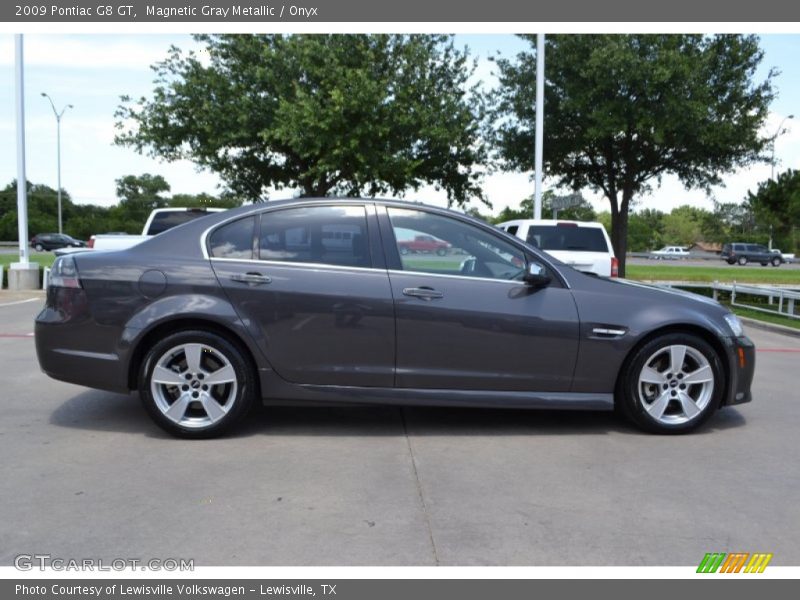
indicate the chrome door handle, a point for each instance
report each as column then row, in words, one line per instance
column 251, row 278
column 423, row 293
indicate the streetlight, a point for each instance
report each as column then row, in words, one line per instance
column 778, row 132
column 58, row 142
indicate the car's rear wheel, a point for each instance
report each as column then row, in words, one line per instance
column 38, row 247
column 403, row 250
column 196, row 384
column 742, row 260
column 731, row 261
column 672, row 384
column 776, row 262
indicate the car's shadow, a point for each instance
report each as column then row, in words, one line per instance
column 102, row 411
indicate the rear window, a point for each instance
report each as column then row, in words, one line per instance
column 560, row 237
column 167, row 220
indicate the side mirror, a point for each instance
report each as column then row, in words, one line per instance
column 536, row 275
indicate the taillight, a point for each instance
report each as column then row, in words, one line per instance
column 64, row 273
column 90, row 243
column 614, row 266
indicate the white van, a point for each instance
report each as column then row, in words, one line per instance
column 581, row 245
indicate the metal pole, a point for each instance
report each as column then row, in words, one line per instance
column 537, row 203
column 774, row 139
column 58, row 116
column 22, row 182
column 58, row 162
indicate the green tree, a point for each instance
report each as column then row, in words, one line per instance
column 683, row 225
column 139, row 195
column 776, row 204
column 645, row 230
column 344, row 114
column 621, row 111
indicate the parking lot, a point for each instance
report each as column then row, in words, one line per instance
column 87, row 474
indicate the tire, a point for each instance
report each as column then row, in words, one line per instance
column 764, row 264
column 441, row 251
column 38, row 247
column 742, row 260
column 731, row 261
column 642, row 397
column 172, row 388
column 776, row 262
column 403, row 250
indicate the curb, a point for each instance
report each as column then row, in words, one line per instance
column 773, row 327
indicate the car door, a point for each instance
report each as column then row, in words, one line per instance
column 465, row 320
column 310, row 283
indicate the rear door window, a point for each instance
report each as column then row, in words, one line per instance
column 331, row 235
column 566, row 237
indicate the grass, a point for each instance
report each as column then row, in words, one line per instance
column 45, row 259
column 722, row 274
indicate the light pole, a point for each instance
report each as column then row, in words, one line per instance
column 778, row 132
column 58, row 143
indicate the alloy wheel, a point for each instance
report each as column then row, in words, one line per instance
column 675, row 384
column 194, row 385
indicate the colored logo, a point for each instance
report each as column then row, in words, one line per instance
column 736, row 562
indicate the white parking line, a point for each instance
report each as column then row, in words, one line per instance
column 20, row 302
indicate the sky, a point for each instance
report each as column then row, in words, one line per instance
column 91, row 72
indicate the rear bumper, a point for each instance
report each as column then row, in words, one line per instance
column 64, row 353
column 742, row 366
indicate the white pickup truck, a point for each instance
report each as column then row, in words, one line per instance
column 159, row 221
column 787, row 258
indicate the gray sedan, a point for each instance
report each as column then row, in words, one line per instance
column 312, row 301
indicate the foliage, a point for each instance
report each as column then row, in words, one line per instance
column 776, row 204
column 624, row 110
column 138, row 195
column 343, row 114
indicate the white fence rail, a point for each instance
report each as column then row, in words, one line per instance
column 785, row 300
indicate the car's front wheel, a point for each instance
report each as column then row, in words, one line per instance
column 776, row 262
column 742, row 260
column 196, row 384
column 672, row 384
column 38, row 247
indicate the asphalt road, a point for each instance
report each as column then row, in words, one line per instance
column 86, row 474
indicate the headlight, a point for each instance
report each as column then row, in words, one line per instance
column 735, row 324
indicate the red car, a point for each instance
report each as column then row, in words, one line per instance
column 423, row 243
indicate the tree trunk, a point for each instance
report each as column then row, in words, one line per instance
column 619, row 229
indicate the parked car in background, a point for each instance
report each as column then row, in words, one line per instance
column 670, row 253
column 741, row 253
column 423, row 244
column 252, row 305
column 160, row 220
column 582, row 245
column 787, row 258
column 53, row 241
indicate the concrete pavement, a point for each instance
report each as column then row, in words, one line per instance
column 86, row 474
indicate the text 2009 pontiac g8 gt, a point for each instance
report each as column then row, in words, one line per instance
column 312, row 300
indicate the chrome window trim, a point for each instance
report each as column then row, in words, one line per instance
column 258, row 213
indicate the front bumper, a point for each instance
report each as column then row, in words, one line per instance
column 741, row 367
